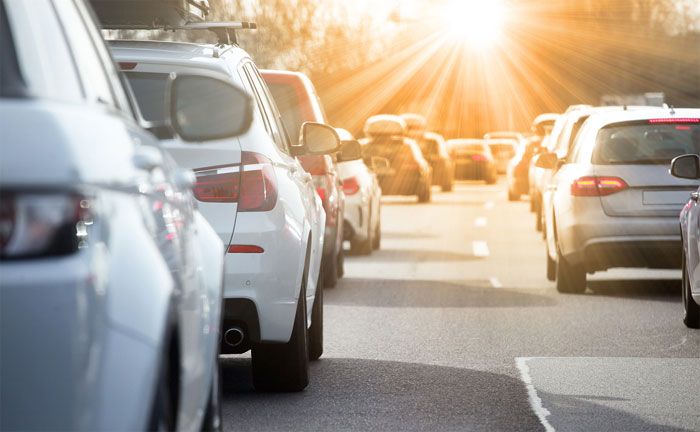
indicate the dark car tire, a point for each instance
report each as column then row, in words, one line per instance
column 363, row 247
column 538, row 219
column 512, row 196
column 284, row 367
column 691, row 315
column 164, row 412
column 212, row 417
column 377, row 240
column 425, row 193
column 316, row 329
column 340, row 267
column 330, row 272
column 551, row 268
column 571, row 278
column 491, row 180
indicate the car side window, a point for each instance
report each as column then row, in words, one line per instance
column 92, row 72
column 269, row 110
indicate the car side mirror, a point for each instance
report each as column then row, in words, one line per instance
column 350, row 151
column 381, row 166
column 204, row 108
column 548, row 161
column 686, row 167
column 319, row 139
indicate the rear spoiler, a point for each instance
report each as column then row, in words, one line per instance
column 225, row 30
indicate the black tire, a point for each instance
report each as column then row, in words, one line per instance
column 212, row 417
column 164, row 412
column 340, row 267
column 512, row 196
column 330, row 272
column 491, row 180
column 551, row 268
column 425, row 193
column 571, row 279
column 377, row 240
column 691, row 310
column 532, row 204
column 316, row 330
column 538, row 218
column 284, row 367
column 364, row 247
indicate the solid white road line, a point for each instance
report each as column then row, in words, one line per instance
column 495, row 283
column 535, row 402
column 481, row 222
column 481, row 249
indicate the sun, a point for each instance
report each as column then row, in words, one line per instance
column 477, row 23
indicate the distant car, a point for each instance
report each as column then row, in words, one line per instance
column 298, row 103
column 409, row 173
column 517, row 174
column 503, row 151
column 542, row 127
column 688, row 167
column 473, row 160
column 517, row 136
column 615, row 205
column 434, row 149
column 260, row 201
column 110, row 279
column 363, row 223
column 543, row 124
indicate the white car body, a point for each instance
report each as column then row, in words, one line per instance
column 362, row 208
column 85, row 334
column 261, row 290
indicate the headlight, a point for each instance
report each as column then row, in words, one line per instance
column 42, row 224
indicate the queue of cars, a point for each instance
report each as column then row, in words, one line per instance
column 610, row 185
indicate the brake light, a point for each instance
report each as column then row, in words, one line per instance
column 597, row 186
column 252, row 184
column 321, row 193
column 351, row 186
column 478, row 158
column 127, row 65
column 674, row 120
column 249, row 249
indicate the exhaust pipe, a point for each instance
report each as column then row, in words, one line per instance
column 234, row 336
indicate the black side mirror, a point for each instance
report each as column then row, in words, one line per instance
column 686, row 167
column 319, row 139
column 203, row 108
column 350, row 151
column 548, row 161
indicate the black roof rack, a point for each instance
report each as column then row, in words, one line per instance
column 225, row 30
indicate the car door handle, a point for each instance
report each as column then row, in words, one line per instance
column 695, row 196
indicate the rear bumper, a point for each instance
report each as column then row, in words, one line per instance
column 657, row 253
column 404, row 183
column 473, row 170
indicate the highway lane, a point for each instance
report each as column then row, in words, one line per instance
column 453, row 326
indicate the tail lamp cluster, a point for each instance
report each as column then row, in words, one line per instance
column 594, row 186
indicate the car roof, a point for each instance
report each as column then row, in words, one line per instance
column 466, row 141
column 502, row 141
column 602, row 118
column 434, row 136
column 206, row 56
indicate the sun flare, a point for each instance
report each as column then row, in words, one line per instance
column 478, row 23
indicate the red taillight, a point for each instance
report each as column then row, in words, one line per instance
column 478, row 158
column 321, row 193
column 597, row 186
column 127, row 65
column 249, row 249
column 252, row 184
column 674, row 120
column 351, row 186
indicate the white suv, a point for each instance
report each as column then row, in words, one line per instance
column 261, row 202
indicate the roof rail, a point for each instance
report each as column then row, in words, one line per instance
column 224, row 30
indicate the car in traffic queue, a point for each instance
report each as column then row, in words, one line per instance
column 517, row 173
column 614, row 203
column 258, row 198
column 542, row 127
column 473, row 160
column 363, row 207
column 434, row 149
column 298, row 103
column 687, row 167
column 386, row 137
column 111, row 280
column 503, row 150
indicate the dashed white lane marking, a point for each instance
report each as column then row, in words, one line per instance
column 535, row 402
column 495, row 283
column 481, row 222
column 481, row 249
column 489, row 205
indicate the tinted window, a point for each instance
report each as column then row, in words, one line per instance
column 149, row 89
column 290, row 107
column 645, row 143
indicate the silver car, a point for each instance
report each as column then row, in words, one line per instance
column 614, row 204
column 110, row 279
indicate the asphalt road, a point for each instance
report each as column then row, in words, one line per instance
column 453, row 326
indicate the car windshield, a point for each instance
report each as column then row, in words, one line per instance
column 290, row 108
column 646, row 142
column 149, row 89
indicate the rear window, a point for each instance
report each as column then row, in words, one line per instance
column 149, row 89
column 288, row 103
column 647, row 142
